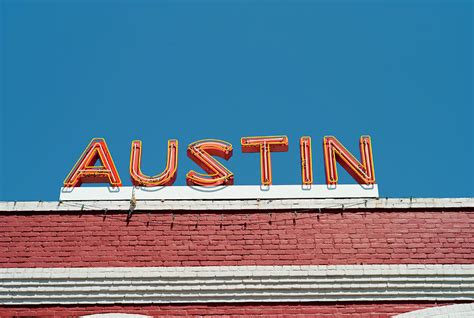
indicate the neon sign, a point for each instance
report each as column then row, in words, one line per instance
column 334, row 151
column 85, row 170
column 265, row 145
column 306, row 161
column 167, row 177
column 202, row 152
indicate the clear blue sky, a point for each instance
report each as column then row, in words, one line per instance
column 400, row 71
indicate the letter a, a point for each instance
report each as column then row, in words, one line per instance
column 85, row 171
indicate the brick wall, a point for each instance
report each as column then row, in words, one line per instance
column 206, row 239
column 95, row 239
column 356, row 310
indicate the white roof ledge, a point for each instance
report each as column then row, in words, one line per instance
column 240, row 204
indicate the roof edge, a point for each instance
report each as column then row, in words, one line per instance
column 233, row 205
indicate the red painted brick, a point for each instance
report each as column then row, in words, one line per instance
column 196, row 239
column 383, row 309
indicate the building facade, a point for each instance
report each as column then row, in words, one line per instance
column 239, row 257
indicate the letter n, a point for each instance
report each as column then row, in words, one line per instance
column 334, row 152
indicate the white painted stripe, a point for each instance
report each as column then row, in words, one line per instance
column 127, row 285
column 450, row 311
column 219, row 193
column 234, row 205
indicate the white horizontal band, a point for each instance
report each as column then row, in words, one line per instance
column 450, row 311
column 127, row 285
column 233, row 205
column 220, row 192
